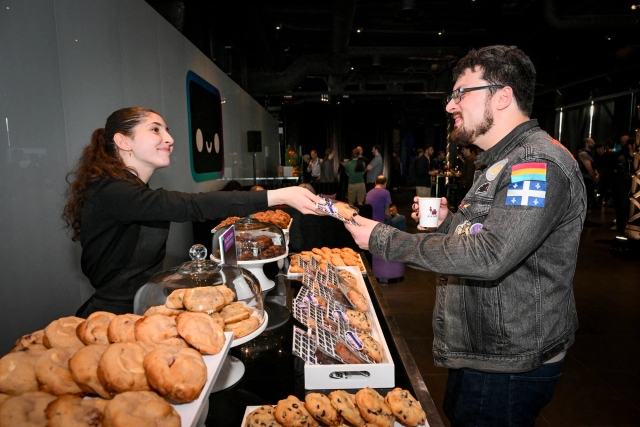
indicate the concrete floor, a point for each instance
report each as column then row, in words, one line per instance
column 600, row 383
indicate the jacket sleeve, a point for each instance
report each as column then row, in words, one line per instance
column 509, row 234
column 131, row 202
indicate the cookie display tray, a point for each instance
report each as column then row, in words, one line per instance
column 350, row 268
column 345, row 376
column 357, row 269
column 190, row 412
column 250, row 409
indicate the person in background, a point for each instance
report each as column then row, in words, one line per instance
column 355, row 171
column 374, row 168
column 505, row 311
column 313, row 166
column 442, row 162
column 624, row 171
column 424, row 171
column 343, row 178
column 396, row 171
column 306, row 175
column 363, row 159
column 380, row 200
column 587, row 168
column 468, row 169
column 605, row 168
column 621, row 144
column 122, row 224
column 327, row 173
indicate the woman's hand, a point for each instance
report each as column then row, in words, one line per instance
column 296, row 197
column 362, row 233
column 442, row 214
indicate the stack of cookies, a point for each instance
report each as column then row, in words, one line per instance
column 366, row 408
column 216, row 303
column 277, row 217
column 131, row 363
column 344, row 257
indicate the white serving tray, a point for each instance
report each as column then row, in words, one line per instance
column 190, row 412
column 250, row 409
column 343, row 376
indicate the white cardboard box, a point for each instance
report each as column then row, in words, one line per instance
column 380, row 375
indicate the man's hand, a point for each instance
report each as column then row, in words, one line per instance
column 362, row 233
column 442, row 215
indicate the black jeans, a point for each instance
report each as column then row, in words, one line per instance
column 480, row 399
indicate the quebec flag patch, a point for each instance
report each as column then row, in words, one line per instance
column 527, row 193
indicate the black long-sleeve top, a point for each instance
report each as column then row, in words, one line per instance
column 125, row 226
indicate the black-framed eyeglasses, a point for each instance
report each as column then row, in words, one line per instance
column 457, row 94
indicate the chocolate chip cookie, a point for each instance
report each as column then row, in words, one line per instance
column 405, row 407
column 319, row 406
column 290, row 412
column 373, row 409
column 345, row 404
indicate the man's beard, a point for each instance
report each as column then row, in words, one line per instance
column 465, row 137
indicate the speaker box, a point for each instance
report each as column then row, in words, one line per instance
column 254, row 141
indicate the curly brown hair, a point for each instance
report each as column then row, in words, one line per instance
column 100, row 159
column 503, row 65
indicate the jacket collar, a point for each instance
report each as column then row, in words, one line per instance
column 512, row 140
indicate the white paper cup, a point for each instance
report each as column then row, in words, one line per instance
column 429, row 208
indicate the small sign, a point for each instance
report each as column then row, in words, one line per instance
column 227, row 244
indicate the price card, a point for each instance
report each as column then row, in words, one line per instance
column 227, row 244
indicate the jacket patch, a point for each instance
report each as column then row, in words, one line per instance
column 475, row 228
column 463, row 229
column 527, row 193
column 529, row 172
column 495, row 170
column 483, row 188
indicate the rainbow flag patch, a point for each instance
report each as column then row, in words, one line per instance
column 529, row 172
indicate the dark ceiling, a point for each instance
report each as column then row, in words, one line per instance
column 282, row 50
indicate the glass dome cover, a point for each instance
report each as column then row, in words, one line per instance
column 200, row 272
column 255, row 240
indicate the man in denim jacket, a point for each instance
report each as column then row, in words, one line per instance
column 505, row 311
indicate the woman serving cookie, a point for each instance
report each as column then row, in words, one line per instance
column 123, row 225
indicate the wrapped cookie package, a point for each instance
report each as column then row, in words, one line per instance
column 340, row 210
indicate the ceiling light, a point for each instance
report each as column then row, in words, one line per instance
column 278, row 26
column 633, row 6
column 359, row 30
column 352, row 68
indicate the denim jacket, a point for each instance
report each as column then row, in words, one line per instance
column 506, row 259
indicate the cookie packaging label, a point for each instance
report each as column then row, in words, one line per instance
column 353, row 340
column 348, row 336
column 340, row 210
column 300, row 307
